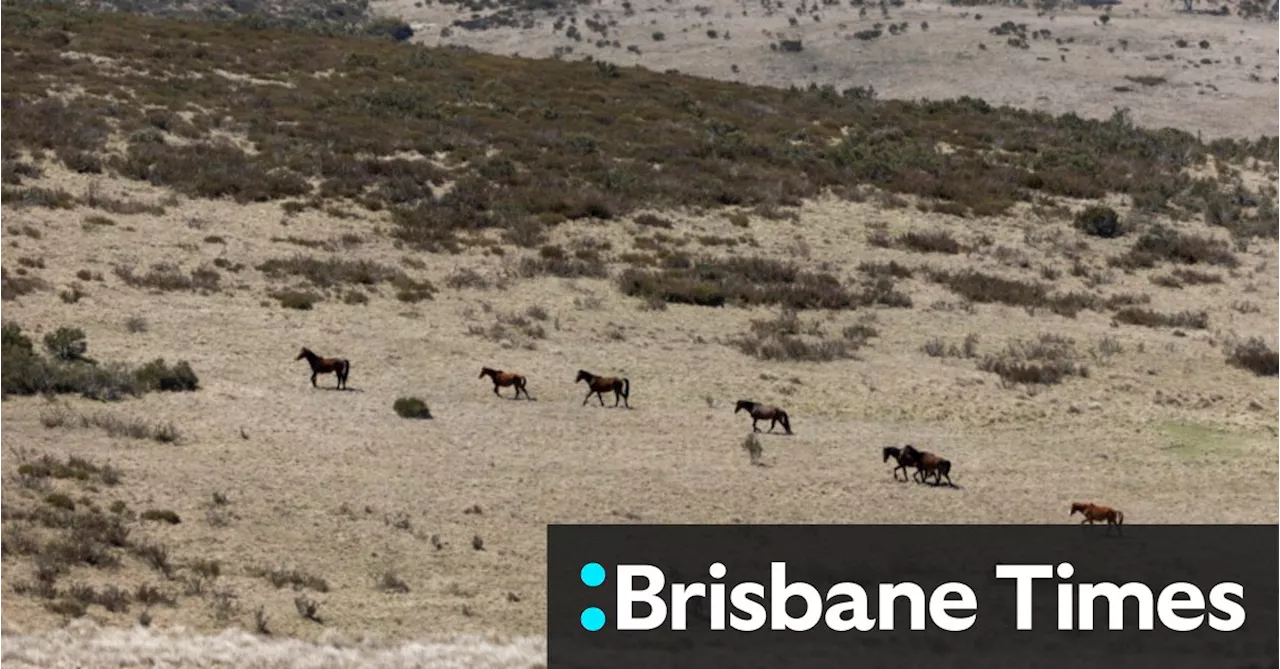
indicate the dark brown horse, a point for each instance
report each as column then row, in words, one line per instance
column 1094, row 513
column 761, row 412
column 503, row 379
column 903, row 459
column 337, row 366
column 598, row 385
column 927, row 463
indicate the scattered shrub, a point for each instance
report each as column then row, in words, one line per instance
column 161, row 516
column 1198, row 320
column 296, row 299
column 1099, row 221
column 68, row 370
column 935, row 241
column 411, row 407
column 741, row 281
column 787, row 337
column 1164, row 244
column 1254, row 355
column 1046, row 360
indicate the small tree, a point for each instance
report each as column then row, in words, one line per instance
column 67, row 344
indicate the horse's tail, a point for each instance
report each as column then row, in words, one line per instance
column 346, row 369
column 945, row 467
column 626, row 387
column 786, row 422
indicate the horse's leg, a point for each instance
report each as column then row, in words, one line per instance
column 587, row 398
column 754, row 427
column 495, row 390
column 600, row 396
column 313, row 380
column 773, row 422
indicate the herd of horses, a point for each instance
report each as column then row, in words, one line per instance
column 926, row 464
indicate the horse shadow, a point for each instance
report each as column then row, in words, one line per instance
column 341, row 390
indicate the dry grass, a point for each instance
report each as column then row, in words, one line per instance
column 569, row 234
column 502, row 172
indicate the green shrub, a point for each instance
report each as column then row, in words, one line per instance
column 1164, row 244
column 744, row 281
column 161, row 515
column 1198, row 320
column 1099, row 221
column 1256, row 356
column 411, row 407
column 156, row 375
column 67, row 344
column 294, row 299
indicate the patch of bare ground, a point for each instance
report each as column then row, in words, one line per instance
column 1187, row 70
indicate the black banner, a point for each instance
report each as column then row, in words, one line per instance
column 826, row 596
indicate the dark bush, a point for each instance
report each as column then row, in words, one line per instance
column 1164, row 244
column 67, row 344
column 1256, row 356
column 156, row 375
column 1198, row 320
column 739, row 281
column 411, row 407
column 1099, row 221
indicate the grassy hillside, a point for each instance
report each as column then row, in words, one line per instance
column 1067, row 309
column 453, row 143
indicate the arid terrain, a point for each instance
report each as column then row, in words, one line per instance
column 1192, row 72
column 1069, row 310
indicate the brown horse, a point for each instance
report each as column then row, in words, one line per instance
column 761, row 412
column 903, row 459
column 338, row 366
column 1095, row 512
column 503, row 379
column 597, row 385
column 927, row 463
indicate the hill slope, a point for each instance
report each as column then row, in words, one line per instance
column 1170, row 68
column 1067, row 309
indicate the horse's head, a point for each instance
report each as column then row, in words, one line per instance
column 484, row 372
column 303, row 353
column 1077, row 507
column 743, row 404
column 891, row 452
column 583, row 375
